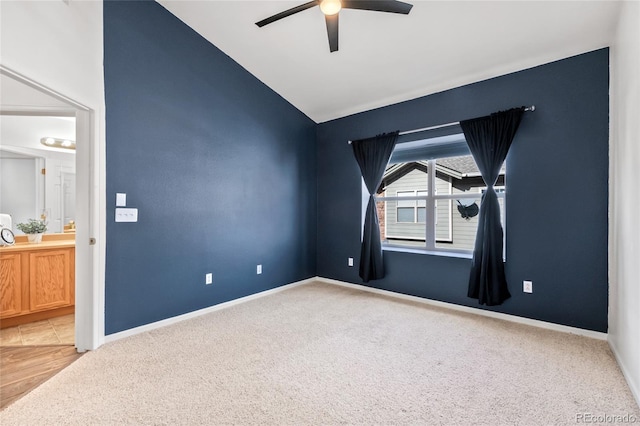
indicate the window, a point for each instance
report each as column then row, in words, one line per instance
column 410, row 211
column 430, row 196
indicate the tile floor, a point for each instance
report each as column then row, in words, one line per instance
column 54, row 331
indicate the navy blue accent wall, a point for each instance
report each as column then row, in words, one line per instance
column 557, row 194
column 221, row 168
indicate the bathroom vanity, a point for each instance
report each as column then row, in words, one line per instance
column 37, row 281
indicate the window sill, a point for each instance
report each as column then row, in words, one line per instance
column 428, row 252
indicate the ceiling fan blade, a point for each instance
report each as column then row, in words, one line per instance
column 392, row 6
column 286, row 13
column 332, row 31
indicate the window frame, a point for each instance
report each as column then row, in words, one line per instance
column 416, row 205
column 431, row 198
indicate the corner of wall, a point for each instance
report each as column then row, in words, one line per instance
column 624, row 230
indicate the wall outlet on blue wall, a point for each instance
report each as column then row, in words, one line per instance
column 259, row 269
column 208, row 279
column 527, row 286
column 350, row 261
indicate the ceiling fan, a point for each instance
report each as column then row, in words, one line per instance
column 330, row 8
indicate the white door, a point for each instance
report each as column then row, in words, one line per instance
column 68, row 201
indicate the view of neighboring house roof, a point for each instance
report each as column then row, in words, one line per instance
column 457, row 167
column 464, row 166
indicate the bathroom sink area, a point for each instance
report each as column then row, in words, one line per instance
column 37, row 280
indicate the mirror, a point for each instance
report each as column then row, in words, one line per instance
column 37, row 181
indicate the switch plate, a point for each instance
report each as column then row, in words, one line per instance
column 527, row 286
column 208, row 279
column 350, row 261
column 259, row 269
column 126, row 215
column 121, row 199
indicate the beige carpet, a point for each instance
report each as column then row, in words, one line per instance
column 321, row 354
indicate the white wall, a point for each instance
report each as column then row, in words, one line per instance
column 56, row 44
column 18, row 196
column 60, row 46
column 624, row 240
column 26, row 131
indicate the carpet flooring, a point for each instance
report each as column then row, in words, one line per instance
column 322, row 354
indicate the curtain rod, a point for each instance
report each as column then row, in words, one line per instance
column 440, row 126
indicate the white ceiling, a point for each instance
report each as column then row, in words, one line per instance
column 386, row 58
column 22, row 134
column 27, row 115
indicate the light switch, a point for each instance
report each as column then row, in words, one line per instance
column 121, row 199
column 126, row 215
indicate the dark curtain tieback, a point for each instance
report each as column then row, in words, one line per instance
column 489, row 139
column 372, row 155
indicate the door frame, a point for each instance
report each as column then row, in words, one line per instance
column 90, row 212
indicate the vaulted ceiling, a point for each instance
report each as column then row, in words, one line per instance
column 385, row 58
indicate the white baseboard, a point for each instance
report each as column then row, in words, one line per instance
column 467, row 309
column 163, row 323
column 633, row 385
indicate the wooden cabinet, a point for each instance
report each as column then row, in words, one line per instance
column 37, row 281
column 50, row 279
column 10, row 285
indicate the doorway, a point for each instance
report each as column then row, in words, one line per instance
column 38, row 182
column 24, row 97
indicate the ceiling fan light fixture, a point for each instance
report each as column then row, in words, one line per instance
column 330, row 7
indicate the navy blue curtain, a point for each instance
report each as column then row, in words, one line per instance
column 373, row 156
column 489, row 139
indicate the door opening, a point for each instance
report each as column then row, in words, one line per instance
column 78, row 197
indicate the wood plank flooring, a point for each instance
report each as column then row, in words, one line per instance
column 23, row 368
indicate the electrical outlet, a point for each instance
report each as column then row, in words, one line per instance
column 208, row 279
column 259, row 269
column 350, row 262
column 527, row 286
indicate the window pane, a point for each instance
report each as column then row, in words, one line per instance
column 382, row 218
column 443, row 184
column 497, row 189
column 407, row 203
column 405, row 214
column 405, row 178
column 398, row 233
column 463, row 223
column 422, row 214
column 443, row 220
column 422, row 203
column 408, row 237
column 462, row 173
